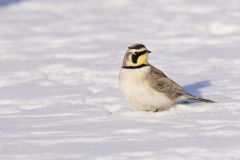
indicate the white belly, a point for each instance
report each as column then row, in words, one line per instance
column 139, row 93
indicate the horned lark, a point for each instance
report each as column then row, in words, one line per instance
column 146, row 87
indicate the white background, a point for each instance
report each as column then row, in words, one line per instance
column 59, row 66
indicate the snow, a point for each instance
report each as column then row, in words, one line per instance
column 60, row 60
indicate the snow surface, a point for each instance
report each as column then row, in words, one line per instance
column 59, row 66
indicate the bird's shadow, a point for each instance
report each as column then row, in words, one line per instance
column 4, row 3
column 194, row 89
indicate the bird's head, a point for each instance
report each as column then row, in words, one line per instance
column 136, row 55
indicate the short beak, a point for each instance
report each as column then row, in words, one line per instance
column 148, row 51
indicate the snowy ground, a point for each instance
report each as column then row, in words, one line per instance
column 59, row 65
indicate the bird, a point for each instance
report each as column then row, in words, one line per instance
column 146, row 87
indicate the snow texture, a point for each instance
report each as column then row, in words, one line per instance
column 60, row 60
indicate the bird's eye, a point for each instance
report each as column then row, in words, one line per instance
column 136, row 52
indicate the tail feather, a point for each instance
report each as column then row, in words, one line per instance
column 202, row 99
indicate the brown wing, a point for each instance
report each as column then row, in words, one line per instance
column 159, row 81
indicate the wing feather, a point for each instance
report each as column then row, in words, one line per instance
column 159, row 81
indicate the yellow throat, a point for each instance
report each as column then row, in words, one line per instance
column 143, row 59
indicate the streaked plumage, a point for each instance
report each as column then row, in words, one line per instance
column 146, row 87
